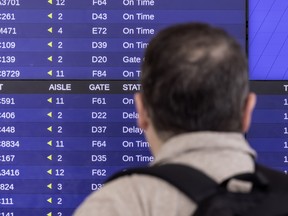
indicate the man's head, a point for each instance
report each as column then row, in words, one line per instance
column 194, row 78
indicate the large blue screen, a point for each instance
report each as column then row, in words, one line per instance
column 68, row 71
column 268, row 39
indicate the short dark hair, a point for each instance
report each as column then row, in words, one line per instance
column 194, row 78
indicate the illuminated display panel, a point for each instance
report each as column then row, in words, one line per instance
column 68, row 71
column 268, row 54
column 268, row 39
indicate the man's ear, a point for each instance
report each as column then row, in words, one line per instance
column 248, row 110
column 143, row 119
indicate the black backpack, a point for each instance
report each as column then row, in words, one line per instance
column 268, row 197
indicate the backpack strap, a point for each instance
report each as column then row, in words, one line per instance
column 197, row 186
column 276, row 196
column 192, row 182
column 277, row 181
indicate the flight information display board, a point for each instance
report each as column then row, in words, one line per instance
column 268, row 54
column 68, row 71
column 268, row 39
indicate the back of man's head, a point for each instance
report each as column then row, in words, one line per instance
column 194, row 78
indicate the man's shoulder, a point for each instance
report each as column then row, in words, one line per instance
column 139, row 183
column 134, row 195
column 112, row 199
